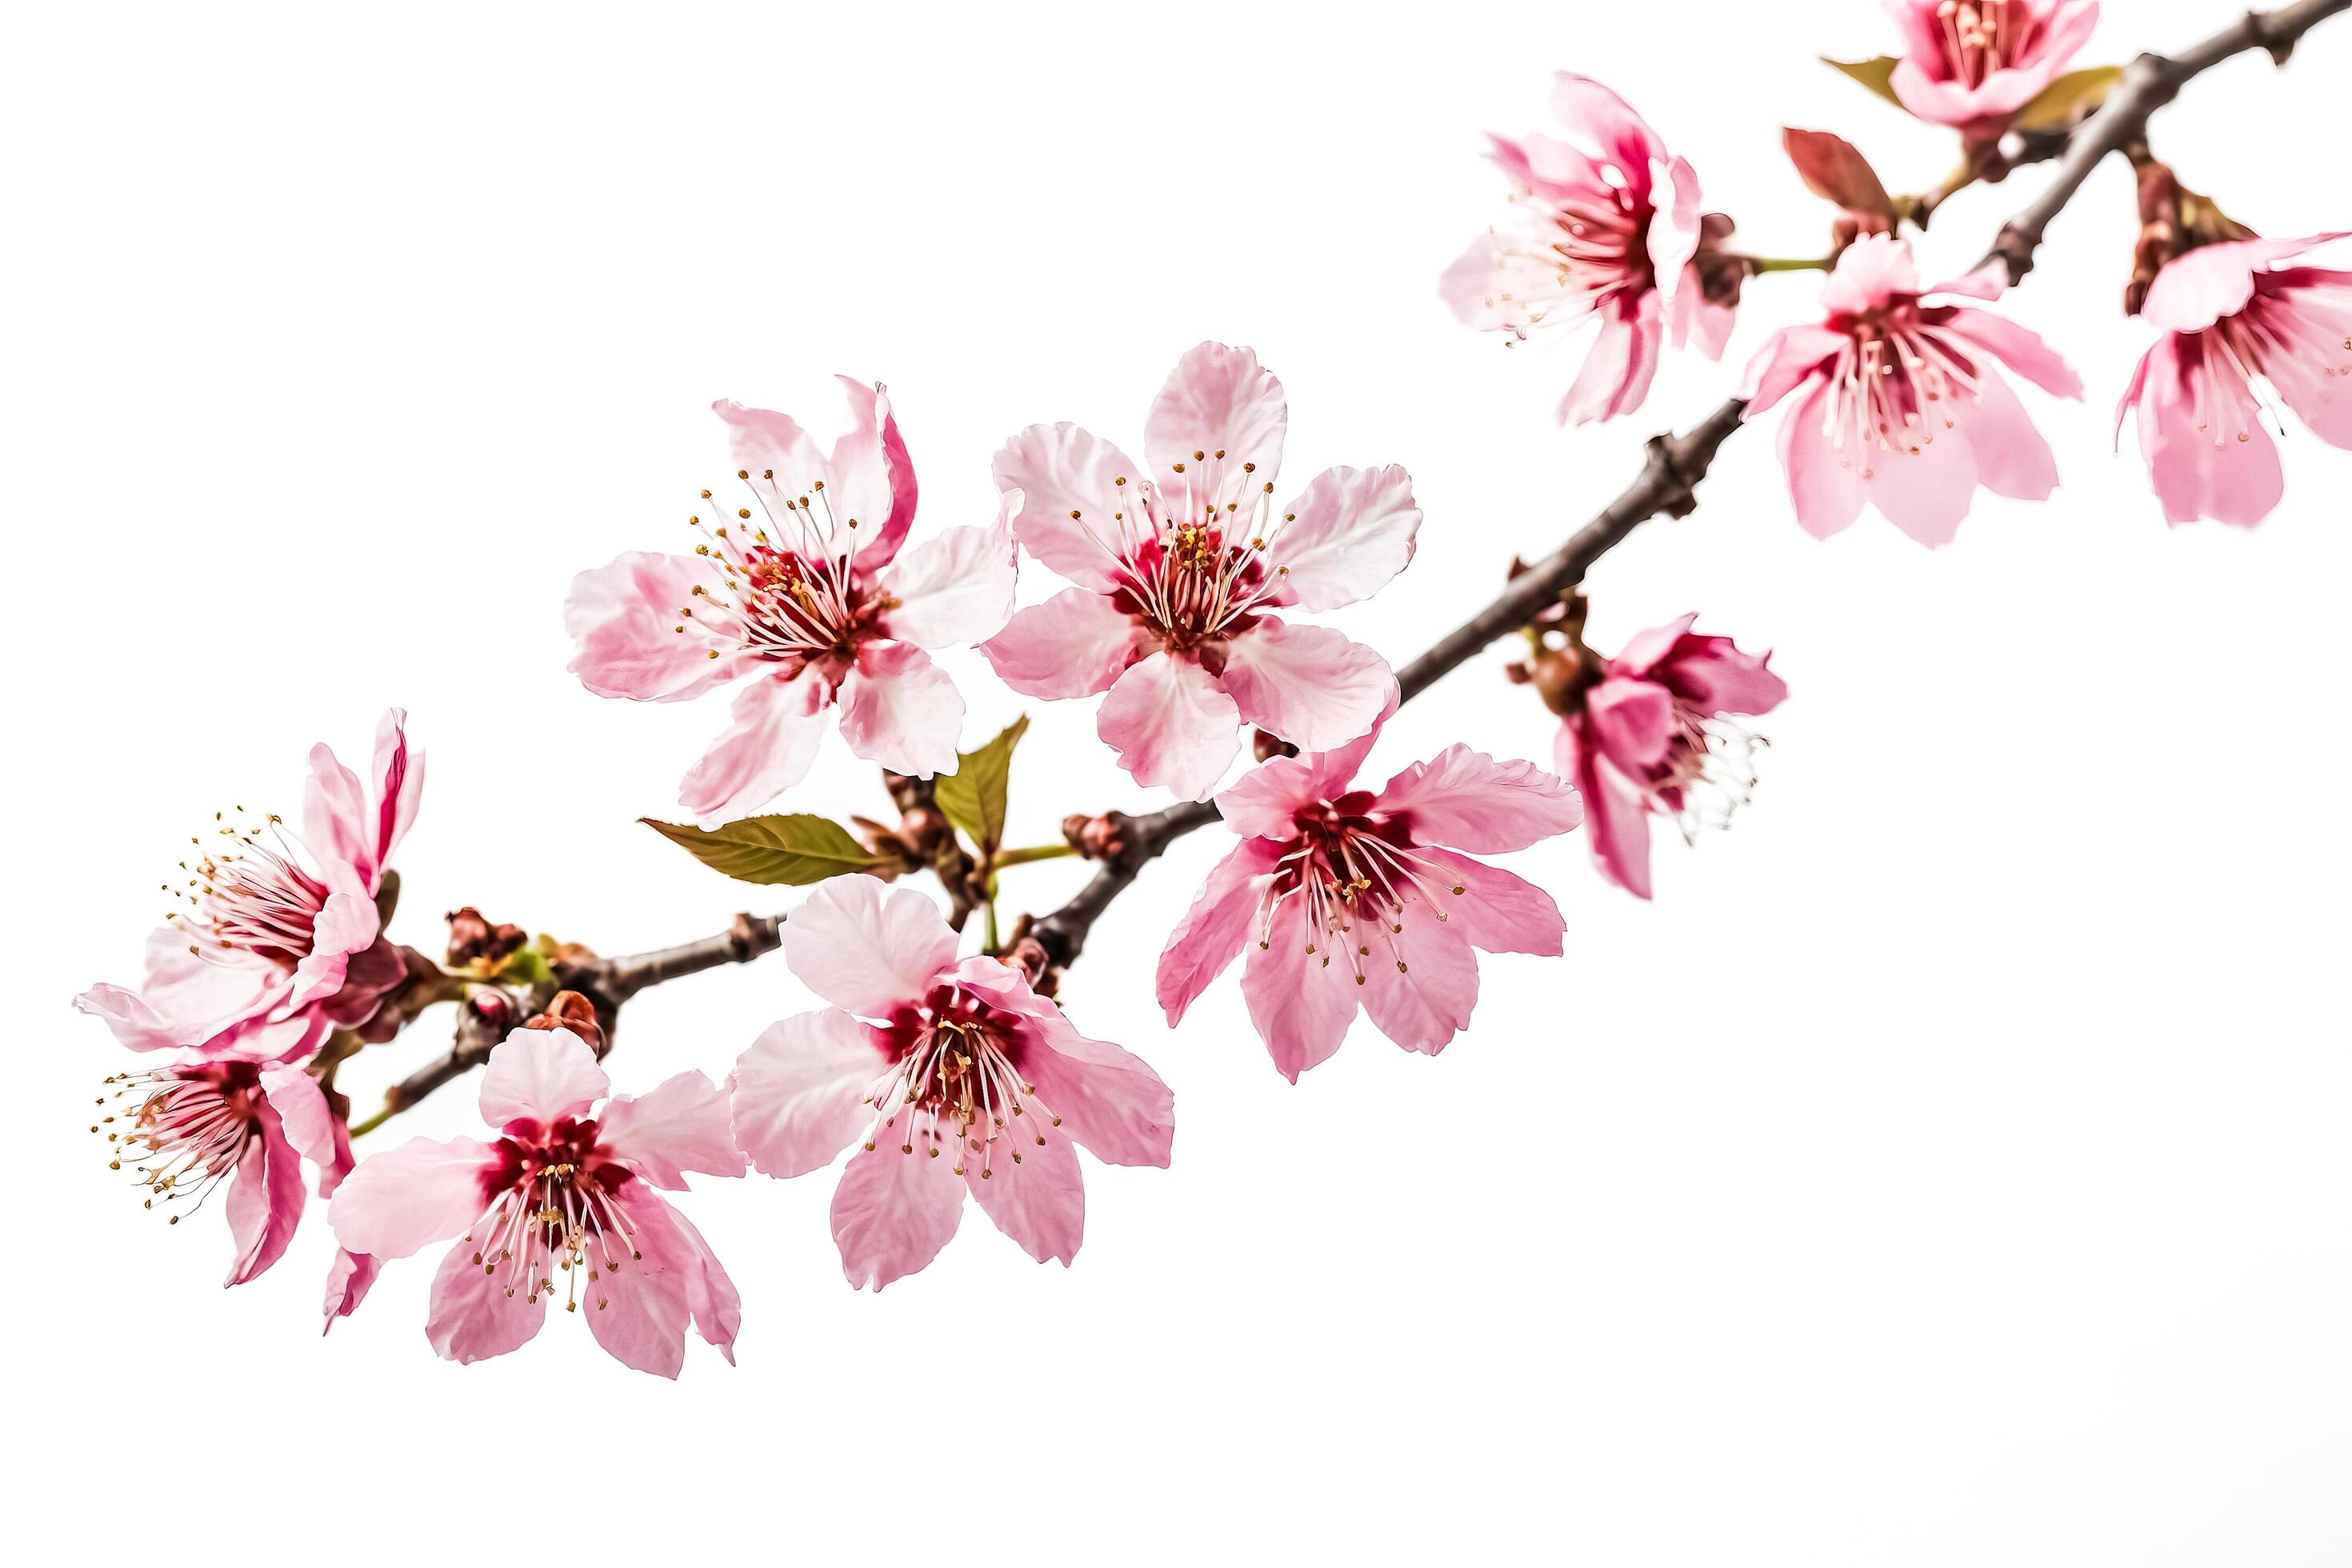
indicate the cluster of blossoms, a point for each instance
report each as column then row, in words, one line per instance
column 1187, row 609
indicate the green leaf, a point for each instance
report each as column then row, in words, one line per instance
column 795, row 849
column 1833, row 171
column 974, row 795
column 1872, row 73
column 525, row 967
column 2071, row 99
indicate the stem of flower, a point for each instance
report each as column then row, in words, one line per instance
column 1789, row 263
column 1003, row 857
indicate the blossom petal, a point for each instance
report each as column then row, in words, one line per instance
column 399, row 774
column 954, row 587
column 638, row 1310
column 1027, row 1182
column 471, row 1317
column 1170, row 725
column 1466, row 799
column 1263, row 803
column 681, row 1125
column 349, row 1279
column 1217, row 400
column 866, row 948
column 873, row 478
column 2017, row 347
column 1312, row 686
column 1823, row 482
column 542, row 1076
column 336, row 822
column 777, row 724
column 1616, row 815
column 1620, row 364
column 711, row 1294
column 1493, row 287
column 1346, row 535
column 346, row 923
column 407, row 1198
column 1221, row 920
column 1069, row 482
column 2012, row 460
column 1632, row 722
column 1781, row 365
column 1108, row 1099
column 2233, row 477
column 623, row 619
column 800, row 1090
column 1421, row 982
column 893, row 1211
column 900, row 710
column 1300, row 1001
column 1718, row 677
column 303, row 1112
column 265, row 1198
column 1074, row 645
column 1596, row 114
column 1498, row 911
column 1924, row 486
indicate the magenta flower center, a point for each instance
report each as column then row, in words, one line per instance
column 187, row 1130
column 249, row 895
column 1981, row 36
column 954, row 1083
column 783, row 587
column 554, row 1209
column 1894, row 384
column 1353, row 874
column 1185, row 568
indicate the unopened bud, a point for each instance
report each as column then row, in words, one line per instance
column 1100, row 837
column 1265, row 745
column 570, row 1010
column 473, row 939
column 1561, row 675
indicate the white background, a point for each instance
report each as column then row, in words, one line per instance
column 1950, row 1168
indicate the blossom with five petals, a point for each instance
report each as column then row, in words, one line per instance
column 1384, row 883
column 1973, row 64
column 952, row 1077
column 1178, row 566
column 1614, row 234
column 799, row 593
column 2238, row 327
column 1898, row 401
column 566, row 1190
column 281, row 939
column 1648, row 735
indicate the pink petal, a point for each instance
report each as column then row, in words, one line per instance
column 1616, row 816
column 541, row 1076
column 2018, row 349
column 1923, row 489
column 1781, row 365
column 1823, row 483
column 1069, row 487
column 1469, row 800
column 1869, row 272
column 1697, row 322
column 2012, row 460
column 1170, row 725
column 349, row 1279
column 777, row 724
column 1498, row 911
column 471, row 1317
column 1314, row 687
column 954, row 587
column 623, row 619
column 1344, row 537
column 1632, row 722
column 301, row 1107
column 1299, row 1000
column 2192, row 291
column 1221, row 920
column 1491, row 287
column 639, row 1310
column 1675, row 228
column 1074, row 645
column 1421, row 982
column 900, row 710
column 1600, row 117
column 681, row 1126
column 1715, row 675
column 1644, row 650
column 893, row 1212
column 1216, row 399
column 759, row 439
column 336, row 822
column 1618, row 367
column 407, row 1198
column 346, row 924
column 2210, row 472
column 711, row 1294
column 799, row 1090
column 1030, row 1188
column 1263, row 803
column 1108, row 1098
column 866, row 948
column 872, row 478
column 399, row 785
column 264, row 1199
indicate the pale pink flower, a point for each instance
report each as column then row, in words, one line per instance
column 1176, row 583
column 1610, row 230
column 1381, row 883
column 566, row 1203
column 195, row 1126
column 797, row 590
column 1898, row 401
column 1651, row 736
column 1973, row 64
column 951, row 1077
column 280, row 941
column 2241, row 335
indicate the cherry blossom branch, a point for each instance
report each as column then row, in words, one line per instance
column 1668, row 482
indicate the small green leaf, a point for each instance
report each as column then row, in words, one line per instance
column 795, row 849
column 525, row 967
column 974, row 795
column 1833, row 171
column 2071, row 99
column 1873, row 74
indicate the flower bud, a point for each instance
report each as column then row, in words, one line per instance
column 473, row 939
column 571, row 1010
column 1100, row 837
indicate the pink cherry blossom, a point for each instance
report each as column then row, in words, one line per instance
column 1610, row 231
column 1383, row 883
column 1171, row 614
column 193, row 1127
column 2241, row 335
column 951, row 1077
column 1649, row 735
column 565, row 1201
column 797, row 591
column 1973, row 64
column 1898, row 401
column 280, row 941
